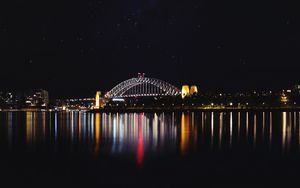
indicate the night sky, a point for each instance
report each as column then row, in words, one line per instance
column 73, row 48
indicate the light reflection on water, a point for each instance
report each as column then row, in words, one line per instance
column 145, row 134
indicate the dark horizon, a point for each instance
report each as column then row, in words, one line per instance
column 74, row 49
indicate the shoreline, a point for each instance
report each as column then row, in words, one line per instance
column 195, row 109
column 187, row 109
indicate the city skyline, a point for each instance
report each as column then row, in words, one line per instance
column 143, row 94
column 77, row 94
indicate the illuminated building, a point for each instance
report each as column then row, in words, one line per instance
column 97, row 102
column 185, row 91
column 193, row 90
column 44, row 95
column 37, row 98
column 296, row 89
column 77, row 104
column 284, row 99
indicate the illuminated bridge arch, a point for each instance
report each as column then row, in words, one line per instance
column 141, row 87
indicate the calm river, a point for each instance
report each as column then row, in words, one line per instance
column 149, row 149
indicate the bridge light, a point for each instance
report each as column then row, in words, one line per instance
column 118, row 100
column 193, row 90
column 185, row 91
column 141, row 86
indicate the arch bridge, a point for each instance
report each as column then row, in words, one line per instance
column 142, row 86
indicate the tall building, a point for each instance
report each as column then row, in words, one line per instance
column 185, row 91
column 44, row 97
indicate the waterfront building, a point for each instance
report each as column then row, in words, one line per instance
column 38, row 98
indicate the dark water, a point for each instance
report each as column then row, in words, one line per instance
column 149, row 149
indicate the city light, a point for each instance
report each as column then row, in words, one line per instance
column 118, row 100
column 185, row 91
column 97, row 103
column 284, row 99
column 143, row 93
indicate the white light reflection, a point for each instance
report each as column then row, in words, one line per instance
column 212, row 129
column 92, row 127
column 299, row 130
column 83, row 125
column 162, row 129
column 247, row 124
column 239, row 125
column 231, row 129
column 283, row 141
column 155, row 131
column 295, row 124
column 289, row 131
column 263, row 125
column 78, row 119
column 174, row 128
column 114, row 131
column 55, row 127
column 72, row 126
column 121, row 132
column 220, row 129
column 254, row 131
column 270, row 129
column 44, row 125
column 202, row 124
